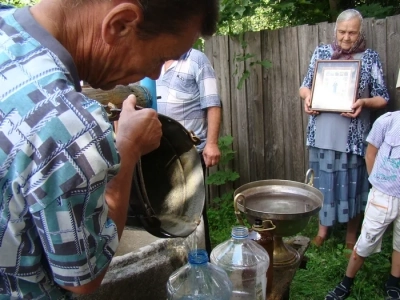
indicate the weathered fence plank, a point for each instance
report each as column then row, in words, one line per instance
column 266, row 95
column 274, row 107
column 222, row 65
column 324, row 35
column 292, row 114
column 255, row 106
column 308, row 40
column 239, row 110
column 378, row 37
column 367, row 29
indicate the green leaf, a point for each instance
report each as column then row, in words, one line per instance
column 221, row 177
column 233, row 176
column 226, row 140
column 199, row 44
column 244, row 57
column 239, row 10
column 265, row 63
column 245, row 75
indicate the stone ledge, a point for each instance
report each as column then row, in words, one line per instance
column 142, row 265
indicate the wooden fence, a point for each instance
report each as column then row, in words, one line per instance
column 266, row 116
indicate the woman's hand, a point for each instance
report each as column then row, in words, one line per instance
column 357, row 107
column 307, row 106
column 305, row 93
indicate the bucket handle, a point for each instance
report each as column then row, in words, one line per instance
column 237, row 211
column 310, row 172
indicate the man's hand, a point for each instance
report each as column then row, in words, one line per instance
column 211, row 154
column 139, row 131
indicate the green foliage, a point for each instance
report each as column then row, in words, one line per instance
column 240, row 58
column 314, row 11
column 221, row 214
column 199, row 44
column 234, row 12
column 221, row 218
column 375, row 10
column 253, row 15
column 243, row 77
column 222, row 176
column 20, row 3
column 301, row 12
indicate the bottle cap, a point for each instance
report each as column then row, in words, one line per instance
column 198, row 257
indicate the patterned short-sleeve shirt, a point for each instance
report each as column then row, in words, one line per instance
column 186, row 90
column 385, row 135
column 371, row 79
column 57, row 153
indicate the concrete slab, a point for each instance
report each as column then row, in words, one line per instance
column 134, row 238
column 143, row 263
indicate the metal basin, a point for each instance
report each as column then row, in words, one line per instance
column 288, row 204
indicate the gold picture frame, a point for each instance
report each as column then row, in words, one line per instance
column 335, row 85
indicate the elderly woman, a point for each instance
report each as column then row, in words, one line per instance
column 336, row 141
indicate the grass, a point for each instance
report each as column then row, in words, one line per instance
column 326, row 265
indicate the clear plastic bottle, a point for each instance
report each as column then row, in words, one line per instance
column 246, row 263
column 199, row 280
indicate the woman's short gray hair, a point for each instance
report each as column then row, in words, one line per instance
column 349, row 14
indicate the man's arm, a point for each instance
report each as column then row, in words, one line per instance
column 117, row 198
column 211, row 152
column 370, row 156
column 134, row 139
column 209, row 98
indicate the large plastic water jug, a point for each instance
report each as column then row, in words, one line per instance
column 199, row 280
column 246, row 264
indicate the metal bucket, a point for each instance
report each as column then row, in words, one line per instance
column 168, row 194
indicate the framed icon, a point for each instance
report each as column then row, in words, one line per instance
column 335, row 85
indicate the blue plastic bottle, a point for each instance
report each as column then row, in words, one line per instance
column 150, row 84
column 199, row 280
